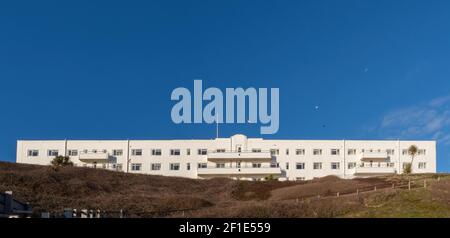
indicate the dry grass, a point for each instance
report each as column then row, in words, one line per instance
column 53, row 190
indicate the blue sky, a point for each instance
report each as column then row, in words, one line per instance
column 105, row 70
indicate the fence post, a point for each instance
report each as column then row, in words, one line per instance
column 296, row 201
column 439, row 178
column 393, row 186
column 425, row 183
column 375, row 188
column 409, row 184
column 318, row 196
column 337, row 194
column 357, row 191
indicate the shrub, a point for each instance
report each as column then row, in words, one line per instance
column 61, row 161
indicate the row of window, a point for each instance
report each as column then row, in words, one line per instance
column 175, row 152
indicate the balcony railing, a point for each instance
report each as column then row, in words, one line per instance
column 94, row 156
column 240, row 155
column 375, row 168
column 374, row 155
column 244, row 170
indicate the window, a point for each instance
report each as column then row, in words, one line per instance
column 317, row 152
column 256, row 165
column 335, row 165
column 274, row 152
column 256, row 150
column 287, row 165
column 287, row 151
column 52, row 152
column 351, row 152
column 136, row 167
column 351, row 165
column 422, row 165
column 300, row 178
column 175, row 166
column 317, row 165
column 72, row 152
column 33, row 153
column 220, row 150
column 117, row 167
column 421, row 152
column 202, row 165
column 156, row 152
column 174, row 152
column 300, row 151
column 188, row 151
column 188, row 166
column 117, row 152
column 220, row 165
column 136, row 152
column 390, row 151
column 404, row 152
column 334, row 151
column 202, row 151
column 156, row 166
column 300, row 165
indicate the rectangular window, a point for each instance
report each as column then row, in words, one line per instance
column 156, row 152
column 317, row 165
column 188, row 151
column 175, row 166
column 287, row 165
column 33, row 153
column 317, row 152
column 202, row 151
column 256, row 150
column 202, row 165
column 351, row 165
column 335, row 165
column 422, row 165
column 188, row 166
column 300, row 151
column 287, row 151
column 256, row 165
column 174, row 152
column 52, row 152
column 136, row 152
column 421, row 152
column 156, row 166
column 72, row 152
column 117, row 152
column 220, row 150
column 404, row 152
column 136, row 167
column 274, row 152
column 220, row 165
column 334, row 151
column 390, row 151
column 351, row 152
column 300, row 178
column 300, row 165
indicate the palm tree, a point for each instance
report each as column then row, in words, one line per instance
column 412, row 150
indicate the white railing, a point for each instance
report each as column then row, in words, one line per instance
column 234, row 170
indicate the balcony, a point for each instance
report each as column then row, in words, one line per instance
column 94, row 156
column 375, row 168
column 233, row 171
column 374, row 155
column 243, row 155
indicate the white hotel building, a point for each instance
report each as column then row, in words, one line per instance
column 238, row 157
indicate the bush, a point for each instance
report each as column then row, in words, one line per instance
column 407, row 168
column 61, row 161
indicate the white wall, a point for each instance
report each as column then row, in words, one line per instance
column 230, row 144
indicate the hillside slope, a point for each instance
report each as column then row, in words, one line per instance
column 49, row 189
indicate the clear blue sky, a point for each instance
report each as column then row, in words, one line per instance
column 105, row 70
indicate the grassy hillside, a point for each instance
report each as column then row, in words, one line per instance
column 49, row 189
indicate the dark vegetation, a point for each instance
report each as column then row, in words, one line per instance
column 49, row 189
